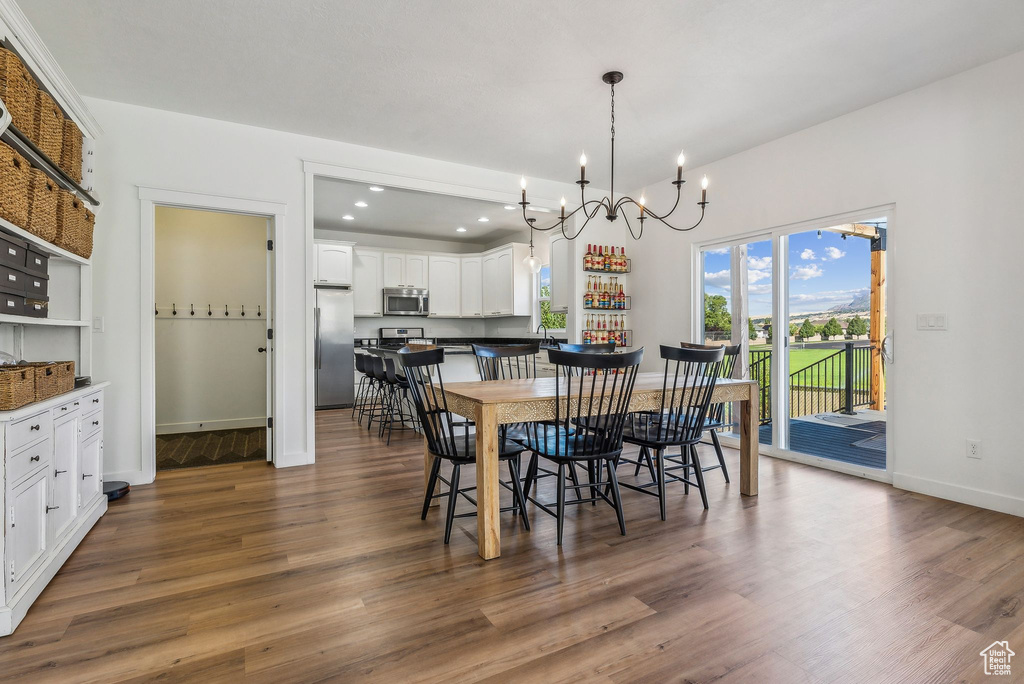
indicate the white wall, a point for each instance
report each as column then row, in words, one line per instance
column 951, row 157
column 209, row 374
column 153, row 148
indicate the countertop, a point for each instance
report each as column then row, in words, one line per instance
column 36, row 407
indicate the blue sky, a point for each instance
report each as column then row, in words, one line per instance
column 823, row 272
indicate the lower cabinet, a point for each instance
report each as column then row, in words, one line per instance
column 90, row 480
column 63, row 508
column 26, row 538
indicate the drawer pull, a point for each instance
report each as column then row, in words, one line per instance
column 63, row 408
column 76, row 403
column 96, row 401
column 85, row 476
column 34, row 458
column 95, row 422
column 34, row 427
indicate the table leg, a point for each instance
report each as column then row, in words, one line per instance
column 487, row 504
column 749, row 411
column 428, row 461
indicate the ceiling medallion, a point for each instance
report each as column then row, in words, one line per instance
column 610, row 205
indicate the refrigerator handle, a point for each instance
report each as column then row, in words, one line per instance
column 316, row 337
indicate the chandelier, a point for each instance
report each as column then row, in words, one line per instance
column 612, row 207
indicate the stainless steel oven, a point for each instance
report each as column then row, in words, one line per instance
column 403, row 301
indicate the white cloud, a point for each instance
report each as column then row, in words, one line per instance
column 759, row 263
column 807, row 254
column 833, row 253
column 718, row 279
column 755, row 276
column 807, row 272
column 760, row 289
column 815, row 302
column 721, row 250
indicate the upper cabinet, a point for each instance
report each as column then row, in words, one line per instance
column 508, row 283
column 472, row 287
column 405, row 270
column 334, row 263
column 560, row 263
column 368, row 282
column 443, row 285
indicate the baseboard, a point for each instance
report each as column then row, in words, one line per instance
column 211, row 425
column 966, row 495
column 132, row 477
column 296, row 458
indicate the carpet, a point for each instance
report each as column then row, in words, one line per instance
column 216, row 447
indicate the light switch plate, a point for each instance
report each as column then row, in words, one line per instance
column 931, row 321
column 98, row 324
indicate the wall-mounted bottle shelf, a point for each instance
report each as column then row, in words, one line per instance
column 622, row 338
column 629, row 267
column 612, row 309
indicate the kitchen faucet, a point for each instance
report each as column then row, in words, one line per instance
column 545, row 338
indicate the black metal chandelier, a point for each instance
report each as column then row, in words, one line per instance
column 610, row 205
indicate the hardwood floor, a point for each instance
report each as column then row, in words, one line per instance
column 243, row 572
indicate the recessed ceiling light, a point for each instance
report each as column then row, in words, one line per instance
column 460, row 229
column 348, row 217
column 361, row 204
column 510, row 207
column 376, row 188
column 483, row 219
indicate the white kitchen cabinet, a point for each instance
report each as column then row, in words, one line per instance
column 368, row 282
column 27, row 541
column 560, row 262
column 334, row 263
column 444, row 286
column 90, row 479
column 405, row 270
column 508, row 283
column 64, row 485
column 472, row 287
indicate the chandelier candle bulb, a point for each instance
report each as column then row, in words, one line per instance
column 563, row 208
column 522, row 184
column 679, row 167
column 704, row 189
column 583, row 166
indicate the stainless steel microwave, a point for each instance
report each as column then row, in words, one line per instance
column 404, row 301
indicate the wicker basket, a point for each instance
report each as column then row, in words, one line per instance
column 83, row 246
column 42, row 206
column 65, row 372
column 71, row 151
column 14, row 177
column 47, row 378
column 70, row 216
column 48, row 127
column 17, row 387
column 17, row 90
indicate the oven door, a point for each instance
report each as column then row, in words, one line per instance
column 405, row 303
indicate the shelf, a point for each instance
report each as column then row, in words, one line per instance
column 26, row 148
column 627, row 333
column 629, row 305
column 53, row 322
column 48, row 247
column 629, row 267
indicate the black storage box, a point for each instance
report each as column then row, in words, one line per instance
column 36, row 262
column 36, row 308
column 35, row 286
column 12, row 280
column 12, row 304
column 12, row 251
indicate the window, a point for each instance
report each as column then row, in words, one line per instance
column 553, row 321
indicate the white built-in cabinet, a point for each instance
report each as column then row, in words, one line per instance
column 472, row 287
column 334, row 263
column 444, row 286
column 405, row 270
column 52, row 491
column 508, row 283
column 368, row 282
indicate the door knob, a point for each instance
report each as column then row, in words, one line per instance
column 261, row 350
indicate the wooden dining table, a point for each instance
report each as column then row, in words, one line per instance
column 493, row 403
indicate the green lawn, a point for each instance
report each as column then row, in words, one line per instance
column 802, row 358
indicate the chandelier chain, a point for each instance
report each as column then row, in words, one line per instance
column 613, row 111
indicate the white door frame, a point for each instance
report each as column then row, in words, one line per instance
column 150, row 199
column 780, row 310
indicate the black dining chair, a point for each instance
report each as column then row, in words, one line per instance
column 444, row 443
column 584, row 397
column 716, row 412
column 510, row 362
column 603, row 348
column 680, row 420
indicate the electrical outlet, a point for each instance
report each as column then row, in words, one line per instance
column 974, row 448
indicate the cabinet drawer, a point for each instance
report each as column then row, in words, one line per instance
column 67, row 409
column 27, row 460
column 28, row 430
column 92, row 402
column 92, row 424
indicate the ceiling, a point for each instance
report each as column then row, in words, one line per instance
column 410, row 213
column 515, row 86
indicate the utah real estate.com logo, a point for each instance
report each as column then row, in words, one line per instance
column 997, row 658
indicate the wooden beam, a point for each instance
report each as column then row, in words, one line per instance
column 855, row 229
column 877, row 329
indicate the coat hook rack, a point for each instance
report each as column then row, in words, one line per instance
column 226, row 310
column 174, row 309
column 259, row 312
column 243, row 310
column 193, row 311
column 209, row 310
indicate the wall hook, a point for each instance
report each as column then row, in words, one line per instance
column 259, row 312
column 243, row 310
column 209, row 310
column 157, row 311
column 174, row 309
column 193, row 312
column 225, row 309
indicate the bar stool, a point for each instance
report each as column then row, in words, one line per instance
column 361, row 388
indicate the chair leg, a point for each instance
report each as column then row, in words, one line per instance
column 435, row 468
column 560, row 511
column 572, row 476
column 718, row 452
column 700, row 476
column 517, row 492
column 684, row 454
column 659, row 459
column 650, row 464
column 453, row 495
column 593, row 469
column 531, row 474
column 614, row 480
column 639, row 460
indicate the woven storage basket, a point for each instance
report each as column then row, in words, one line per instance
column 48, row 127
column 17, row 387
column 65, row 372
column 14, row 177
column 83, row 246
column 71, row 151
column 42, row 205
column 17, row 90
column 69, row 220
column 47, row 379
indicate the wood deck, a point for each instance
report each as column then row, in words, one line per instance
column 246, row 573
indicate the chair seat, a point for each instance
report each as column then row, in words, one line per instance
column 467, row 451
column 646, row 429
column 556, row 443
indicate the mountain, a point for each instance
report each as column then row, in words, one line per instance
column 860, row 303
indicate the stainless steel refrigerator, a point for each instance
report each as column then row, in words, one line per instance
column 333, row 351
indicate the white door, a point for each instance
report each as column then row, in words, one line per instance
column 367, row 282
column 334, row 264
column 90, row 478
column 416, row 271
column 394, row 270
column 472, row 287
column 64, row 488
column 26, row 529
column 443, row 283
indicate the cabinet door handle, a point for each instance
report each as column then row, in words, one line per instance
column 58, row 472
column 34, row 458
column 51, row 508
column 85, row 476
column 33, row 427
